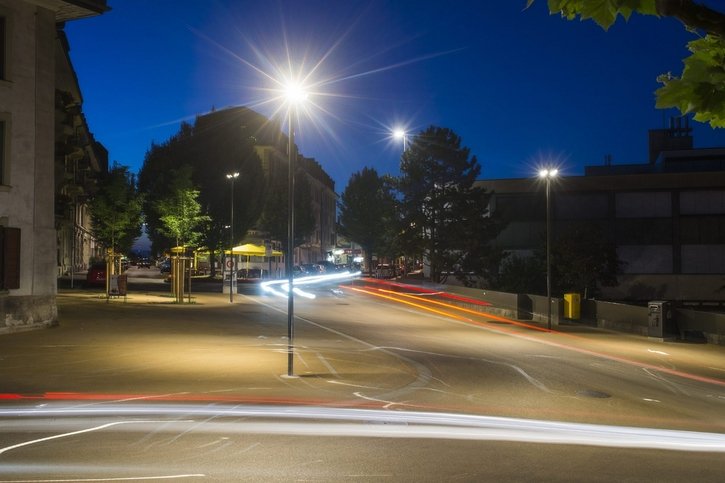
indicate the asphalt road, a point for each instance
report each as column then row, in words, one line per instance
column 361, row 346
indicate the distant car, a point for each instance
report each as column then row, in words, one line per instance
column 144, row 263
column 96, row 274
column 327, row 267
column 249, row 275
column 311, row 269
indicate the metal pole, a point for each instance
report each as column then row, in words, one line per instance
column 231, row 244
column 548, row 253
column 289, row 259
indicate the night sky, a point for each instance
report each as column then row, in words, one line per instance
column 521, row 87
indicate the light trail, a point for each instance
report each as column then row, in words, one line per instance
column 120, row 478
column 422, row 307
column 463, row 309
column 270, row 285
column 500, row 330
column 339, row 422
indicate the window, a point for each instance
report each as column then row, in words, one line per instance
column 3, row 44
column 3, row 157
column 9, row 258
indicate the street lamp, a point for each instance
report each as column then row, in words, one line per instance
column 295, row 94
column 232, row 177
column 400, row 134
column 548, row 175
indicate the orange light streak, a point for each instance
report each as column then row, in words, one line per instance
column 422, row 307
column 500, row 330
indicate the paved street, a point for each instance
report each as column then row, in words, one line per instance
column 363, row 346
column 356, row 348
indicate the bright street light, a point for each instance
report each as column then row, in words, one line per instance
column 295, row 93
column 401, row 134
column 232, row 177
column 548, row 175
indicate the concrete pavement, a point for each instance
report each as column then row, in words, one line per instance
column 147, row 346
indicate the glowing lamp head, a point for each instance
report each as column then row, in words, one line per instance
column 398, row 134
column 548, row 173
column 295, row 93
column 232, row 175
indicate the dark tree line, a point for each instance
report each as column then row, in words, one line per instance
column 199, row 157
column 435, row 212
column 431, row 212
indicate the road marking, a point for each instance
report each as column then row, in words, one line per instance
column 651, row 400
column 354, row 385
column 657, row 352
column 73, row 433
column 387, row 403
column 424, row 375
column 327, row 364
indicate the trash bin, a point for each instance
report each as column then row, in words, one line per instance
column 572, row 306
column 660, row 323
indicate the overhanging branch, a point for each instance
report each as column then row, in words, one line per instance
column 693, row 15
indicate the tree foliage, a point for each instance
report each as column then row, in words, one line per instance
column 444, row 218
column 217, row 144
column 700, row 89
column 368, row 213
column 583, row 260
column 180, row 213
column 116, row 210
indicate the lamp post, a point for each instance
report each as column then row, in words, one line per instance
column 548, row 175
column 295, row 94
column 232, row 177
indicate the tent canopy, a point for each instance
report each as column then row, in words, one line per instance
column 251, row 250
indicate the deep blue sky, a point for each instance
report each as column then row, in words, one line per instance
column 519, row 86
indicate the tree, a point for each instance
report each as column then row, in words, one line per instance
column 216, row 144
column 700, row 89
column 583, row 259
column 521, row 274
column 116, row 210
column 445, row 219
column 367, row 212
column 182, row 219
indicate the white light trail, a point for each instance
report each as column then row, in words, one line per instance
column 321, row 421
column 271, row 286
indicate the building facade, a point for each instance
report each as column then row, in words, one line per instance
column 79, row 159
column 28, row 255
column 665, row 217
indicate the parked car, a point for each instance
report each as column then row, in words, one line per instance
column 96, row 275
column 165, row 266
column 144, row 263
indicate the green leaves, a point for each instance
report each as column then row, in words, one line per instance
column 367, row 212
column 116, row 209
column 603, row 12
column 181, row 217
column 701, row 88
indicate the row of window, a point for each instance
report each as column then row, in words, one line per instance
column 593, row 206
